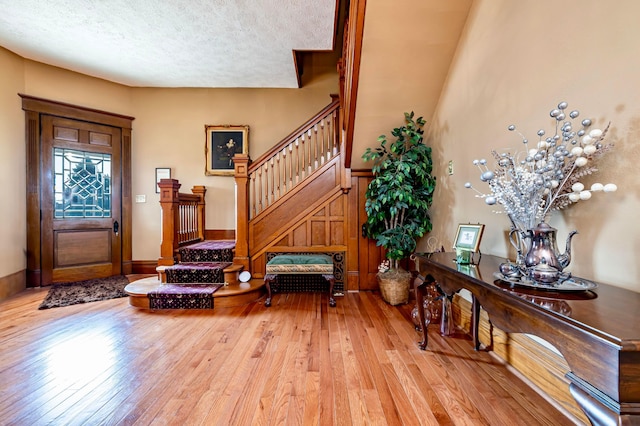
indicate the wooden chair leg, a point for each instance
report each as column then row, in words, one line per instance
column 332, row 282
column 268, row 278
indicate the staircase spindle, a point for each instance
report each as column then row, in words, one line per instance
column 278, row 182
column 272, row 182
column 260, row 205
column 252, row 196
column 297, row 161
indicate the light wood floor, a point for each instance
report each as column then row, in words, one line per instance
column 297, row 363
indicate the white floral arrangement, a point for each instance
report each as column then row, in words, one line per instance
column 384, row 266
column 546, row 175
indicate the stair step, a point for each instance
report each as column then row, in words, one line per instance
column 196, row 272
column 208, row 251
column 183, row 296
column 228, row 296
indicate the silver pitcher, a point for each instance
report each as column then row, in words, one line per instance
column 543, row 247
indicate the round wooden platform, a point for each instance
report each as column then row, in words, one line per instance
column 228, row 296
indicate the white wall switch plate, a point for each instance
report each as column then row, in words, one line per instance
column 141, row 198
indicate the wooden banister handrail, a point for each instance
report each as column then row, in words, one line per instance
column 299, row 131
column 183, row 218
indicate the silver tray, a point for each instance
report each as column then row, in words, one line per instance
column 569, row 284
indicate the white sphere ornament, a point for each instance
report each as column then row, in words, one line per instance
column 585, row 195
column 467, row 184
column 574, row 197
column 490, row 200
column 590, row 149
column 581, row 161
column 595, row 133
column 587, row 140
column 610, row 187
column 597, row 187
column 577, row 151
column 577, row 187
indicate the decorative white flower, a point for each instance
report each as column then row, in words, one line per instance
column 529, row 185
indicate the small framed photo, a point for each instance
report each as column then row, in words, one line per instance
column 468, row 237
column 162, row 173
column 222, row 142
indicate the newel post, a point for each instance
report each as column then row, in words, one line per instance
column 169, row 203
column 200, row 190
column 241, row 173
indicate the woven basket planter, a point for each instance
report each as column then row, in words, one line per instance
column 394, row 286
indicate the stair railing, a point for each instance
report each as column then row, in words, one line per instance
column 294, row 159
column 182, row 218
column 278, row 171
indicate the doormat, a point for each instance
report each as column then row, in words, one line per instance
column 183, row 296
column 85, row 291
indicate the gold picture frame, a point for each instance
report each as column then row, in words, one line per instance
column 222, row 142
column 468, row 237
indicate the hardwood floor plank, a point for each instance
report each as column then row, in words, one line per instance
column 297, row 362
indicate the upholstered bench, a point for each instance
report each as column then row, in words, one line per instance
column 299, row 264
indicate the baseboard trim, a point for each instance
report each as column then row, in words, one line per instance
column 144, row 266
column 13, row 284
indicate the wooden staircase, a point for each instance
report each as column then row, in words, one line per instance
column 291, row 200
column 204, row 269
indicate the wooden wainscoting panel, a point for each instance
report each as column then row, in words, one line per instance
column 537, row 363
column 318, row 232
column 298, row 237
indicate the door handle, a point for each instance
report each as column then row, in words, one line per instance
column 116, row 227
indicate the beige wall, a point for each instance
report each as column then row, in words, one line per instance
column 515, row 62
column 13, row 227
column 168, row 131
column 407, row 47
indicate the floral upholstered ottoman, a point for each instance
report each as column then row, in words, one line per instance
column 299, row 264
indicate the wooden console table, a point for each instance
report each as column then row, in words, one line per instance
column 597, row 331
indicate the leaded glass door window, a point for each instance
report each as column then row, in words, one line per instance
column 82, row 184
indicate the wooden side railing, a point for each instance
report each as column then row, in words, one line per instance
column 294, row 159
column 182, row 218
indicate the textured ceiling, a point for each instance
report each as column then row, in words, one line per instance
column 170, row 43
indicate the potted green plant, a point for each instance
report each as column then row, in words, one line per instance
column 398, row 201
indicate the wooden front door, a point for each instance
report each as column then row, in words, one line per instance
column 81, row 200
column 78, row 192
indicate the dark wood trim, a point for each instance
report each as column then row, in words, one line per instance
column 350, row 71
column 34, row 260
column 62, row 109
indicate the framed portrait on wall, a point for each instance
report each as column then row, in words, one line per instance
column 222, row 142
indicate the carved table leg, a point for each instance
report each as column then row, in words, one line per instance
column 420, row 287
column 475, row 322
column 268, row 279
